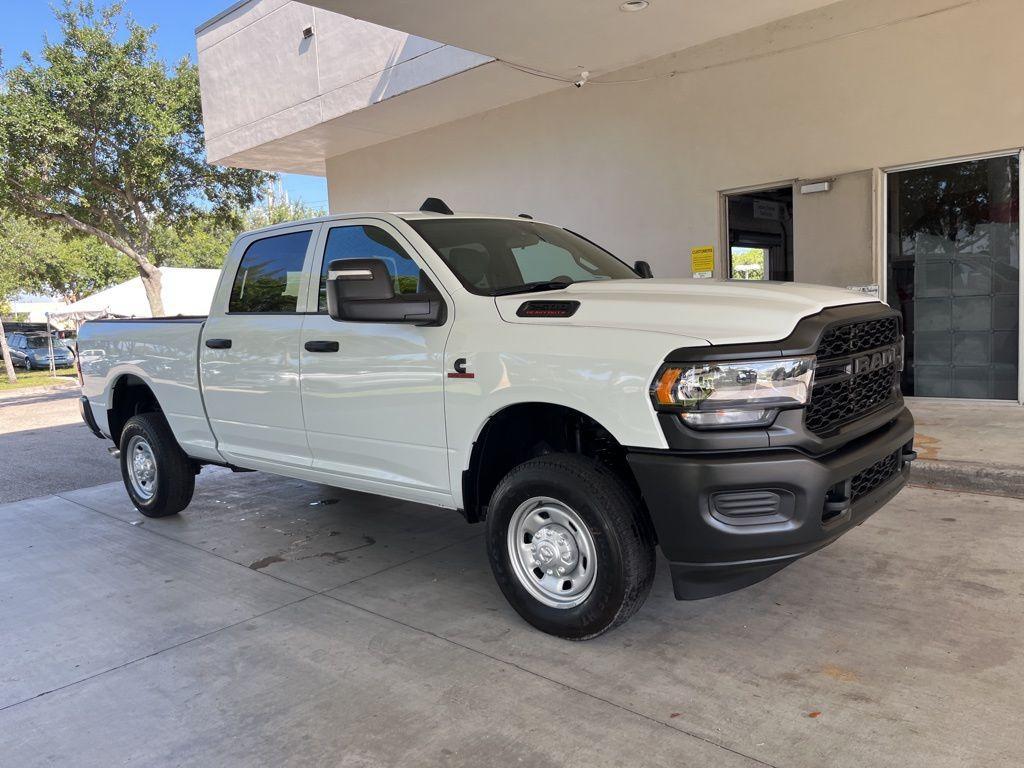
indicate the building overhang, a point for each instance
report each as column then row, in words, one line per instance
column 287, row 85
column 561, row 37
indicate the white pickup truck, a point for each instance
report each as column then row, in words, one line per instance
column 522, row 375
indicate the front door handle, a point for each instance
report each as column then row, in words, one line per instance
column 322, row 346
column 218, row 343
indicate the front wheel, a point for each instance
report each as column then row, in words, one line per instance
column 158, row 476
column 569, row 546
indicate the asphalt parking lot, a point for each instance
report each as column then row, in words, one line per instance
column 45, row 447
column 278, row 622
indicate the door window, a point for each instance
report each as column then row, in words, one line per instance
column 269, row 274
column 363, row 241
column 954, row 272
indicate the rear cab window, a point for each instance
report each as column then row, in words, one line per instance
column 269, row 275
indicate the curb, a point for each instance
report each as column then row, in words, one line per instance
column 993, row 479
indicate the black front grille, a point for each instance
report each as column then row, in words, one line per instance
column 843, row 395
column 879, row 473
column 841, row 402
column 852, row 338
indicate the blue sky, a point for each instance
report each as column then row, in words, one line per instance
column 26, row 21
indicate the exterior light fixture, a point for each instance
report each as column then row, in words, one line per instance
column 815, row 186
column 634, row 5
column 307, row 33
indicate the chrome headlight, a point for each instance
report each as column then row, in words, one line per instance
column 733, row 393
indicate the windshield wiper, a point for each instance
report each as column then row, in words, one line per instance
column 542, row 285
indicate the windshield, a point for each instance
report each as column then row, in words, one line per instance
column 496, row 256
column 40, row 342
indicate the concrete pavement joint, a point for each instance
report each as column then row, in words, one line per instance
column 186, row 544
column 404, row 562
column 156, row 653
column 261, row 571
column 553, row 681
column 212, row 632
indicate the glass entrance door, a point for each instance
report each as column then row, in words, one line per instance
column 954, row 271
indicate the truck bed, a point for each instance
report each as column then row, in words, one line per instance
column 162, row 351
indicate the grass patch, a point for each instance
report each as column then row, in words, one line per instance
column 36, row 378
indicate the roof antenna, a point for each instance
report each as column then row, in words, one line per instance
column 436, row 205
column 525, row 216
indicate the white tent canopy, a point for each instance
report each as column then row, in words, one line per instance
column 36, row 311
column 184, row 291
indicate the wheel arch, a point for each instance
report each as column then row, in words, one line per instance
column 521, row 431
column 130, row 395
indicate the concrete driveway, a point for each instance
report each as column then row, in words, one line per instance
column 278, row 622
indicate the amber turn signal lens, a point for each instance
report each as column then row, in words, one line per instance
column 667, row 380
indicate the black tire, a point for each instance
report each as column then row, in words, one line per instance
column 28, row 364
column 624, row 546
column 175, row 474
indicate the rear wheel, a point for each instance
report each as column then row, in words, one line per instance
column 569, row 546
column 158, row 476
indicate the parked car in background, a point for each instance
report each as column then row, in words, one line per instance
column 36, row 348
column 18, row 358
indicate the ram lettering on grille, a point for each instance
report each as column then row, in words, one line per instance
column 872, row 380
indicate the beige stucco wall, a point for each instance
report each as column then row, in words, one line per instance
column 263, row 81
column 638, row 167
column 832, row 233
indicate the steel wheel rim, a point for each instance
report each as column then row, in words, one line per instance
column 552, row 552
column 142, row 471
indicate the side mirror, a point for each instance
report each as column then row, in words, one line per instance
column 361, row 290
column 643, row 269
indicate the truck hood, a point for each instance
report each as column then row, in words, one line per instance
column 715, row 311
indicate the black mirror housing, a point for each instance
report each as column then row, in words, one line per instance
column 643, row 269
column 361, row 290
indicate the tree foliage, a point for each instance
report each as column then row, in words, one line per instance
column 101, row 137
column 61, row 262
column 749, row 263
column 35, row 259
column 204, row 241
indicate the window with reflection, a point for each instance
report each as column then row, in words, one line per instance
column 269, row 274
column 364, row 241
column 954, row 272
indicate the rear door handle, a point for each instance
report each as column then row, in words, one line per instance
column 218, row 343
column 322, row 346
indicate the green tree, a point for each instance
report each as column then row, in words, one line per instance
column 748, row 263
column 103, row 138
column 204, row 240
column 65, row 264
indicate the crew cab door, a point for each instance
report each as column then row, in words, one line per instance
column 249, row 352
column 373, row 393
